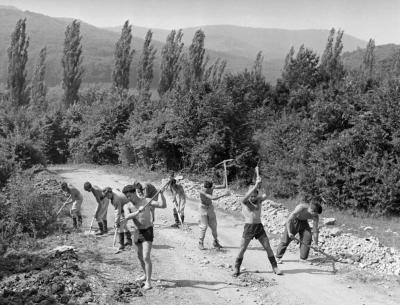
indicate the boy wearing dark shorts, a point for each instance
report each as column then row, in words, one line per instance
column 253, row 228
column 139, row 211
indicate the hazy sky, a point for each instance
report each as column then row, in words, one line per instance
column 362, row 18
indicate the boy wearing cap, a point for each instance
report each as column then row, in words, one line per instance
column 102, row 206
column 118, row 200
column 253, row 228
column 139, row 210
column 76, row 198
column 207, row 213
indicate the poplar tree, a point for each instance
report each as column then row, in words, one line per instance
column 72, row 63
column 288, row 61
column 123, row 56
column 38, row 85
column 145, row 69
column 395, row 69
column 214, row 73
column 331, row 67
column 194, row 62
column 171, row 56
column 17, row 59
column 257, row 66
column 369, row 59
column 328, row 52
column 196, row 56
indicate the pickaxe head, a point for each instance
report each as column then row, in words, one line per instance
column 224, row 162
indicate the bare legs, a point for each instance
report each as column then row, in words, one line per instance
column 144, row 250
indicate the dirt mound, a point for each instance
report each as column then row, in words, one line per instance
column 51, row 279
column 124, row 292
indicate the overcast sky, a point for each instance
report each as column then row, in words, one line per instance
column 362, row 18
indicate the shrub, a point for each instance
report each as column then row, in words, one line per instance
column 26, row 210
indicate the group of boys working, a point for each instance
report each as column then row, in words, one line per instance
column 135, row 202
column 297, row 222
column 138, row 204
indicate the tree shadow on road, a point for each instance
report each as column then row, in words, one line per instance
column 195, row 284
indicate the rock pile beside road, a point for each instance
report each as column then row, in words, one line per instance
column 365, row 253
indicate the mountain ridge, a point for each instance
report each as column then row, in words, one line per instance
column 98, row 46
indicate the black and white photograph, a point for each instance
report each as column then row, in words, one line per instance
column 178, row 152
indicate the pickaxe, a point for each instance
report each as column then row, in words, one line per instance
column 330, row 257
column 226, row 176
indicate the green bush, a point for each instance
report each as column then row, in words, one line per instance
column 27, row 211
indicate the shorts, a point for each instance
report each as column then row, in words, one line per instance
column 145, row 235
column 253, row 230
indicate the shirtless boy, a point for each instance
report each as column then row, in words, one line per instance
column 179, row 200
column 102, row 206
column 139, row 210
column 76, row 198
column 253, row 228
column 298, row 223
column 207, row 213
column 118, row 200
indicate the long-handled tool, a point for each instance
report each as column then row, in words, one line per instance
column 330, row 257
column 91, row 225
column 62, row 207
column 225, row 171
column 115, row 237
column 179, row 214
column 161, row 190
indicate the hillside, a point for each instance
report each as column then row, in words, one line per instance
column 98, row 47
column 238, row 45
column 384, row 57
column 247, row 41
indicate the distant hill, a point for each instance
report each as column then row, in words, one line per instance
column 247, row 41
column 384, row 57
column 238, row 45
column 98, row 47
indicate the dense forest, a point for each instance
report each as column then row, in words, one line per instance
column 324, row 132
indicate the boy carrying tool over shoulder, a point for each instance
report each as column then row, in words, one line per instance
column 139, row 210
column 102, row 206
column 179, row 205
column 118, row 201
column 253, row 228
column 207, row 213
column 76, row 199
column 298, row 223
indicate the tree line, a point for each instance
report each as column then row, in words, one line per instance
column 322, row 132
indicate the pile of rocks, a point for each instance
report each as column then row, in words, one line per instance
column 50, row 279
column 362, row 252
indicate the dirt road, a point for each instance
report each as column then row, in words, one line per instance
column 182, row 274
